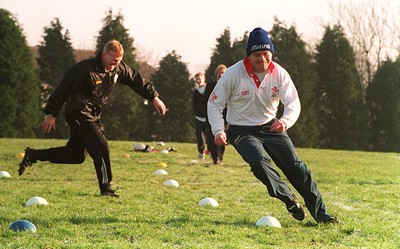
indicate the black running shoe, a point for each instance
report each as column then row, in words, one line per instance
column 295, row 209
column 331, row 221
column 26, row 161
column 110, row 192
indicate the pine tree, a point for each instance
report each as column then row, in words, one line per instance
column 342, row 110
column 226, row 52
column 124, row 116
column 384, row 105
column 113, row 28
column 239, row 48
column 290, row 52
column 172, row 78
column 19, row 88
column 56, row 55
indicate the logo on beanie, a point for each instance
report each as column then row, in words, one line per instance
column 258, row 40
column 260, row 47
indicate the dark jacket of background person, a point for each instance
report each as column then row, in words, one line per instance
column 199, row 104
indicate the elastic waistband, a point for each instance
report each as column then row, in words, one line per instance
column 253, row 127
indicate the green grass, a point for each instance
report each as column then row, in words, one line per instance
column 361, row 188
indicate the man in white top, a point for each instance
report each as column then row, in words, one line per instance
column 252, row 90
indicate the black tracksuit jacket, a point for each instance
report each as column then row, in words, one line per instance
column 86, row 87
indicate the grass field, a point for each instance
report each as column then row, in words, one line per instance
column 360, row 188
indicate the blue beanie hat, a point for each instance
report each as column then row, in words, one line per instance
column 258, row 40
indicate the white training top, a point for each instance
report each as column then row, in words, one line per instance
column 252, row 101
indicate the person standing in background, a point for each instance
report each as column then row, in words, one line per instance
column 199, row 101
column 216, row 151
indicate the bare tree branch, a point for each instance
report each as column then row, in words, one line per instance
column 371, row 29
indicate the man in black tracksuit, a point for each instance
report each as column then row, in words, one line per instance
column 85, row 89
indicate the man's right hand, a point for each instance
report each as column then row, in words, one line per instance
column 48, row 124
column 220, row 139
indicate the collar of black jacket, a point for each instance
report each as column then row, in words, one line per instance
column 98, row 63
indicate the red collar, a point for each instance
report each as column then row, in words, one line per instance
column 249, row 70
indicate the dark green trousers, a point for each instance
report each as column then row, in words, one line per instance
column 258, row 146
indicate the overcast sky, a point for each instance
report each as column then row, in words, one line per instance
column 160, row 26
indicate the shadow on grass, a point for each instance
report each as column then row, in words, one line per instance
column 73, row 220
column 182, row 221
column 373, row 182
column 90, row 220
column 236, row 223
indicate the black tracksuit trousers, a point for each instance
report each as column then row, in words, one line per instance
column 217, row 152
column 87, row 136
column 258, row 145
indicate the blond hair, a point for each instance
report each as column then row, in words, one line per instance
column 219, row 67
column 200, row 75
column 113, row 46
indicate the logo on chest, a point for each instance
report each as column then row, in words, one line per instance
column 245, row 92
column 213, row 97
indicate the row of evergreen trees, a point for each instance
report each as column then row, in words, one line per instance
column 338, row 111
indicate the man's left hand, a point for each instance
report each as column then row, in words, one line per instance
column 159, row 106
column 278, row 126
